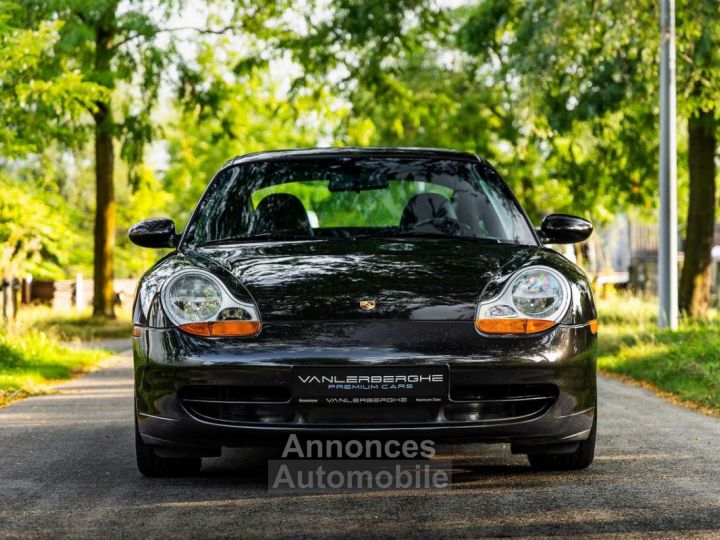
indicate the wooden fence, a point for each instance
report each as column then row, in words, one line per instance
column 60, row 294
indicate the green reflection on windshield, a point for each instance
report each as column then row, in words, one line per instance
column 366, row 208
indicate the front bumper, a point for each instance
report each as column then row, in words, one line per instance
column 554, row 372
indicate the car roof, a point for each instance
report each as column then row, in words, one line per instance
column 350, row 152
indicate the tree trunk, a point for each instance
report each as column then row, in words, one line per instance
column 696, row 277
column 104, row 214
column 104, row 176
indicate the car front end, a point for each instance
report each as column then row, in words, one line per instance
column 243, row 342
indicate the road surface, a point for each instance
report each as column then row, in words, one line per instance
column 67, row 470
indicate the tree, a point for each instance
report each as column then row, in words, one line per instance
column 576, row 71
column 34, row 237
column 234, row 107
column 107, row 47
column 38, row 104
column 590, row 68
column 412, row 80
column 115, row 45
column 699, row 96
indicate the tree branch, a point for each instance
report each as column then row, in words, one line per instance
column 216, row 31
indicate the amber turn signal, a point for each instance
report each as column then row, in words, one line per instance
column 136, row 331
column 593, row 326
column 222, row 328
column 512, row 326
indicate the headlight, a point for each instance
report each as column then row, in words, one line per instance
column 535, row 299
column 198, row 303
column 537, row 293
column 193, row 298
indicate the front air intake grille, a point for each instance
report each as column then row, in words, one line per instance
column 502, row 402
column 475, row 404
column 249, row 394
column 263, row 404
column 368, row 414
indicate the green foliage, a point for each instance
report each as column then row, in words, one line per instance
column 111, row 47
column 31, row 361
column 118, row 46
column 366, row 208
column 589, row 72
column 39, row 102
column 229, row 103
column 580, row 64
column 225, row 114
column 560, row 96
column 148, row 198
column 685, row 363
column 41, row 348
column 365, row 40
column 35, row 237
column 72, row 327
column 410, row 83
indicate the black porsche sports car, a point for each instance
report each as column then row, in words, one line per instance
column 362, row 291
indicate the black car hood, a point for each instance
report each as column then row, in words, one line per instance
column 320, row 280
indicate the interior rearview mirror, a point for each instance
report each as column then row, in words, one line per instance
column 154, row 233
column 564, row 229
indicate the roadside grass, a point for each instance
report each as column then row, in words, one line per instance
column 31, row 361
column 43, row 347
column 685, row 364
column 73, row 326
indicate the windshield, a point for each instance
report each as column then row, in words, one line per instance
column 352, row 197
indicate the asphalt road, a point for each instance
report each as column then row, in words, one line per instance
column 67, row 470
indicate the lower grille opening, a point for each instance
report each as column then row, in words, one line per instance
column 368, row 414
column 256, row 404
column 493, row 412
column 241, row 412
column 273, row 405
column 478, row 403
column 502, row 392
column 245, row 394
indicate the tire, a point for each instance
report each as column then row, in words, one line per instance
column 575, row 461
column 152, row 465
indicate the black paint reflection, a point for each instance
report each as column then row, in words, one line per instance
column 326, row 279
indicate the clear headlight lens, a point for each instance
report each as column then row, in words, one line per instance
column 537, row 293
column 535, row 299
column 194, row 298
column 200, row 304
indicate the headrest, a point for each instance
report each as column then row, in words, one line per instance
column 425, row 207
column 281, row 213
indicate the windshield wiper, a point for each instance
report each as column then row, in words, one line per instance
column 439, row 235
column 258, row 237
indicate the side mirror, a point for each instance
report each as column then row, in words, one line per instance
column 154, row 233
column 564, row 229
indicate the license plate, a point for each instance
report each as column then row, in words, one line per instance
column 381, row 385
